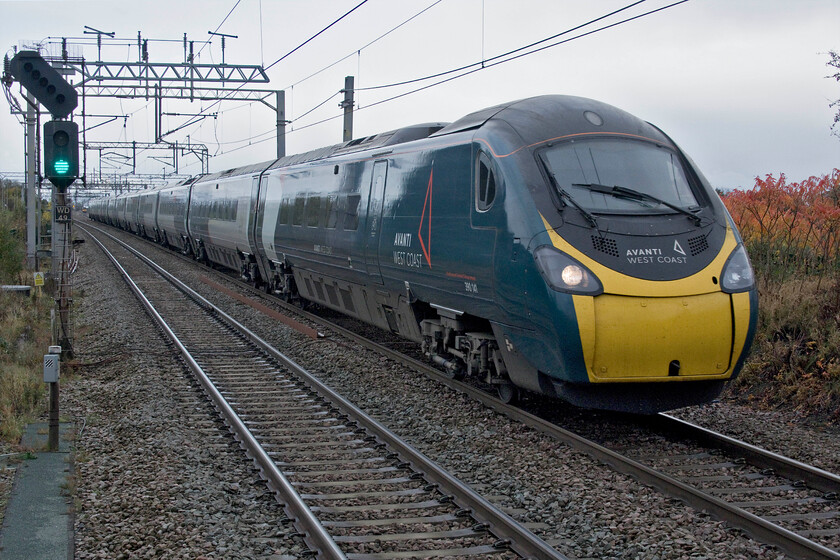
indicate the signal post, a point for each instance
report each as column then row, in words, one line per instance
column 61, row 167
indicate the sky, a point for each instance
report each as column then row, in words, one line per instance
column 740, row 85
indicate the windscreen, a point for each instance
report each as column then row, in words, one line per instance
column 582, row 167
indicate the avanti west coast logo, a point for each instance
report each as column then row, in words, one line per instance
column 402, row 253
column 655, row 255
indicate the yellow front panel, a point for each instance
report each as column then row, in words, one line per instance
column 636, row 338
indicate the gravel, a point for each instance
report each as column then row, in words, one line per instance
column 156, row 477
column 783, row 433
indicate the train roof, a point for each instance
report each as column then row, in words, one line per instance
column 128, row 194
column 383, row 139
column 537, row 119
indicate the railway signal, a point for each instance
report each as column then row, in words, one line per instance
column 44, row 82
column 61, row 153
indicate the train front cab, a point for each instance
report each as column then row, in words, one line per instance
column 648, row 346
column 605, row 336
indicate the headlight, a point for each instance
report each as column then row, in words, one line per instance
column 737, row 275
column 565, row 274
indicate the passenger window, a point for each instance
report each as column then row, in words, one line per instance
column 331, row 212
column 285, row 211
column 485, row 191
column 351, row 216
column 300, row 206
column 313, row 211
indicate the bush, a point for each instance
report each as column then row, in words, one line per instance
column 792, row 232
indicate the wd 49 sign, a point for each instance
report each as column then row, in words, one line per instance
column 62, row 213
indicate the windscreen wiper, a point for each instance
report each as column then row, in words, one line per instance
column 632, row 194
column 566, row 196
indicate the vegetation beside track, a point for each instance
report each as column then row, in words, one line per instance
column 24, row 326
column 792, row 233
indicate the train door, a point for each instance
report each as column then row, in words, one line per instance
column 374, row 219
column 256, row 212
column 253, row 213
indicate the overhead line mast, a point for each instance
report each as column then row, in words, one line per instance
column 171, row 80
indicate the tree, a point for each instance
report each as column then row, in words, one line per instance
column 835, row 64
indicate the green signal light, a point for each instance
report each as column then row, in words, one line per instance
column 61, row 166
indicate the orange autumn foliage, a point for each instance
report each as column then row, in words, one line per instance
column 790, row 227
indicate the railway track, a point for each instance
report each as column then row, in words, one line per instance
column 730, row 479
column 734, row 481
column 353, row 488
column 776, row 500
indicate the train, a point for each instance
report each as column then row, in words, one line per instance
column 554, row 245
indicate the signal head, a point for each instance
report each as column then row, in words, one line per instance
column 44, row 82
column 61, row 153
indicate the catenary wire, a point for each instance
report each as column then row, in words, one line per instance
column 524, row 54
column 250, row 139
column 497, row 60
column 342, row 59
column 218, row 101
column 285, row 56
column 484, row 62
column 469, row 69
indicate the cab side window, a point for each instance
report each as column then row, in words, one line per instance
column 485, row 189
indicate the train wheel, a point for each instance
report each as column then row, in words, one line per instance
column 508, row 393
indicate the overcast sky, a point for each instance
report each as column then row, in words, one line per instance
column 740, row 84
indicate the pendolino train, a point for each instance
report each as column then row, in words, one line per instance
column 554, row 244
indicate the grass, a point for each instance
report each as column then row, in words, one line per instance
column 24, row 338
column 24, row 326
column 12, row 224
column 795, row 360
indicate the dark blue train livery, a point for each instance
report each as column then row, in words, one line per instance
column 555, row 244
